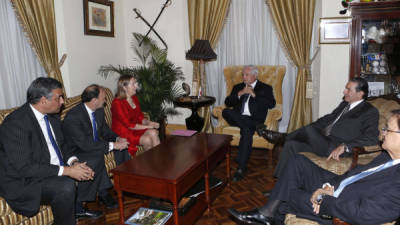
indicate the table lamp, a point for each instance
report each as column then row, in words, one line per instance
column 201, row 51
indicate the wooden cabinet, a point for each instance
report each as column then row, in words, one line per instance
column 375, row 45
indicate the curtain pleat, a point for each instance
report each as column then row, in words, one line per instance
column 18, row 63
column 294, row 23
column 38, row 21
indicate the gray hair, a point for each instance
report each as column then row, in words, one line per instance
column 42, row 86
column 253, row 69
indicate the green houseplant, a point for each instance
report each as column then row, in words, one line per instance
column 156, row 75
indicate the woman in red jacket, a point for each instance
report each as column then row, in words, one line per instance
column 128, row 120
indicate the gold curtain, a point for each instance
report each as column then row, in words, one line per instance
column 206, row 19
column 294, row 22
column 39, row 24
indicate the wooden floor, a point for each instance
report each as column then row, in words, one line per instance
column 243, row 195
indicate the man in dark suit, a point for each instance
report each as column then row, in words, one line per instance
column 250, row 102
column 86, row 129
column 367, row 194
column 353, row 123
column 36, row 166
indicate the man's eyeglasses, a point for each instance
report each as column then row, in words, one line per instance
column 385, row 129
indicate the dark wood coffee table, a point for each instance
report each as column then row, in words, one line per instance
column 168, row 170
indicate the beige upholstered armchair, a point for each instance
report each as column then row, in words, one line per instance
column 272, row 75
column 363, row 155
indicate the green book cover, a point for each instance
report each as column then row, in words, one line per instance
column 146, row 216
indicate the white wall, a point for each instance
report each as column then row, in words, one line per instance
column 173, row 28
column 87, row 53
column 334, row 70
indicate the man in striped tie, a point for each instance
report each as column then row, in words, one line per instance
column 85, row 129
column 367, row 194
column 36, row 165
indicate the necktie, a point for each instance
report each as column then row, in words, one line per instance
column 53, row 141
column 359, row 176
column 95, row 136
column 244, row 100
column 327, row 130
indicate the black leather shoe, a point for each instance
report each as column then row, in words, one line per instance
column 109, row 202
column 86, row 213
column 270, row 135
column 239, row 174
column 251, row 217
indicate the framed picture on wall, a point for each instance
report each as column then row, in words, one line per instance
column 334, row 30
column 98, row 17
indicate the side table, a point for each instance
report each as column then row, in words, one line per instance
column 194, row 121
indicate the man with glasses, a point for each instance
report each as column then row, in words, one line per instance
column 367, row 194
column 36, row 164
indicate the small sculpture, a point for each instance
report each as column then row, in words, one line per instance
column 186, row 89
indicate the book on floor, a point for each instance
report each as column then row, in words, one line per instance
column 146, row 216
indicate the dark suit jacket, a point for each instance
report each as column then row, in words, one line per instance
column 25, row 159
column 358, row 127
column 78, row 130
column 259, row 105
column 372, row 200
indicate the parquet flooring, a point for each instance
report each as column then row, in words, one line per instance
column 243, row 195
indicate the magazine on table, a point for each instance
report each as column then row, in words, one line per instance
column 146, row 216
column 185, row 133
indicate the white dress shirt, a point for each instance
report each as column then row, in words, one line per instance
column 89, row 111
column 53, row 155
column 246, row 110
column 354, row 104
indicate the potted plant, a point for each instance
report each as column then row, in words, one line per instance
column 156, row 75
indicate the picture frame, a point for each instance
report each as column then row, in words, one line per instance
column 98, row 17
column 334, row 30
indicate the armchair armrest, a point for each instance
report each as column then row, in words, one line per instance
column 362, row 151
column 337, row 221
column 217, row 112
column 273, row 116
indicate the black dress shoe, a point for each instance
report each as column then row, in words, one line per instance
column 270, row 135
column 86, row 213
column 239, row 174
column 109, row 201
column 251, row 217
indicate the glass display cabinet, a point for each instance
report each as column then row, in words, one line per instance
column 375, row 45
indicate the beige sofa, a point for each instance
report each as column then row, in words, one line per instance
column 45, row 215
column 384, row 107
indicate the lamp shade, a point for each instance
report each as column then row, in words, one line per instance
column 201, row 50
